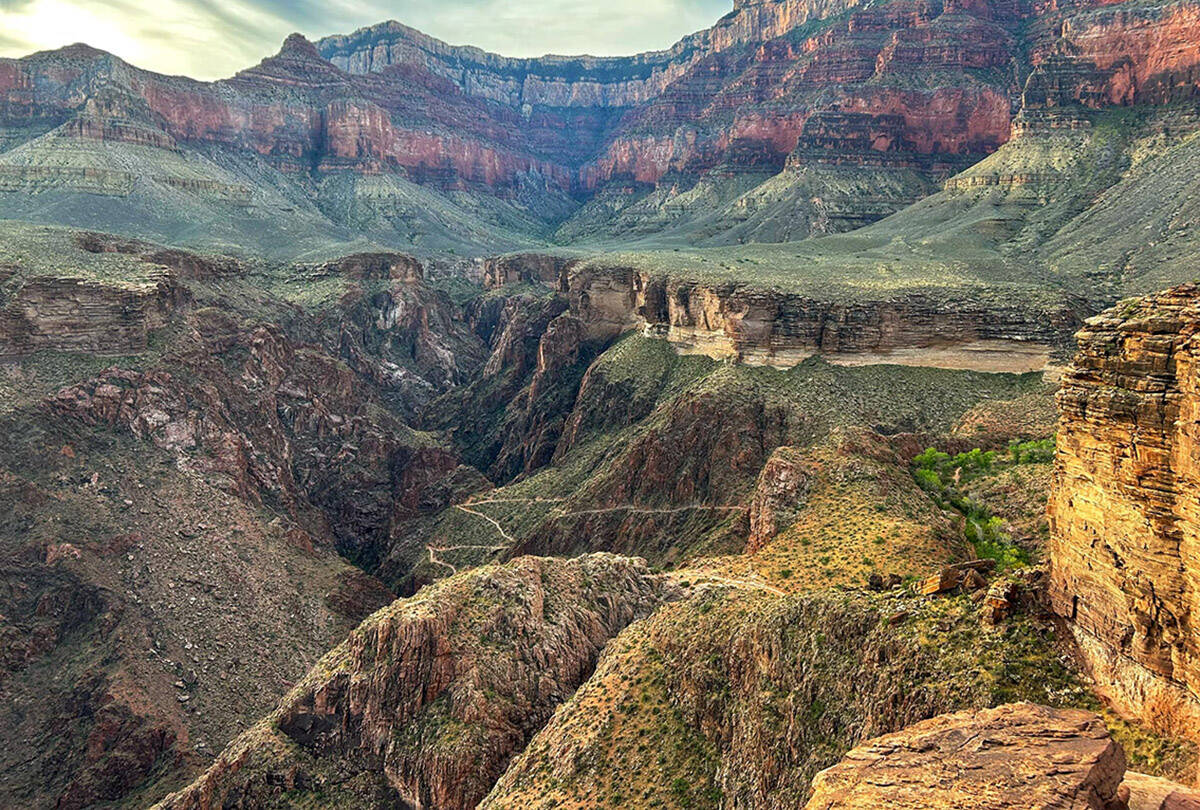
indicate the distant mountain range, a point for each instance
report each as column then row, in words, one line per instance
column 786, row 118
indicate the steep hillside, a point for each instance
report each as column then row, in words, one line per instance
column 737, row 698
column 194, row 449
column 426, row 702
column 215, row 466
column 662, row 455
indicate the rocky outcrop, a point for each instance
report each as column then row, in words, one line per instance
column 508, row 420
column 766, row 326
column 1155, row 793
column 781, row 491
column 427, row 701
column 537, row 267
column 1125, row 528
column 1013, row 756
column 407, row 338
column 71, row 314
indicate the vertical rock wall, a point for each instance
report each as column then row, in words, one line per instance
column 1125, row 509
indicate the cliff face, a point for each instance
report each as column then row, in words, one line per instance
column 294, row 109
column 1125, row 536
column 570, row 81
column 767, row 326
column 428, row 699
column 844, row 84
column 1123, row 56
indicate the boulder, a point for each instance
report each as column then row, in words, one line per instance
column 1019, row 755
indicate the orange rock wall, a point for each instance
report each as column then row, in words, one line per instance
column 1125, row 511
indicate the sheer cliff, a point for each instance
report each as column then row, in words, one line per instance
column 1123, row 541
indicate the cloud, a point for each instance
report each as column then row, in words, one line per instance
column 209, row 39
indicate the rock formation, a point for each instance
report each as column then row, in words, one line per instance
column 803, row 92
column 426, row 702
column 1013, row 756
column 1156, row 793
column 764, row 325
column 1125, row 530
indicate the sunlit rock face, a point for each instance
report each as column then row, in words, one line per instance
column 1125, row 539
column 1016, row 755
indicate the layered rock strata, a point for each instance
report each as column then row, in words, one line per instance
column 70, row 314
column 924, row 88
column 1013, row 756
column 1125, row 524
column 763, row 325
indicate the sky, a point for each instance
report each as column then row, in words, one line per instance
column 209, row 39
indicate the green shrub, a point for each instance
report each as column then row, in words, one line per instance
column 928, row 480
column 1039, row 451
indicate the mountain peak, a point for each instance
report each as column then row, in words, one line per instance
column 297, row 44
column 298, row 63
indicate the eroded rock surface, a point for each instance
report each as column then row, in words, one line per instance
column 1125, row 525
column 764, row 325
column 1013, row 756
column 428, row 700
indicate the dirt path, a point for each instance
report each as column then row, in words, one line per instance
column 435, row 550
column 740, row 583
column 559, row 514
column 640, row 510
column 473, row 501
column 510, row 541
column 435, row 561
column 507, row 537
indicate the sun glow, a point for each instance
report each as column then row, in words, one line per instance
column 209, row 40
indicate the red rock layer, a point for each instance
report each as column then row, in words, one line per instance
column 927, row 80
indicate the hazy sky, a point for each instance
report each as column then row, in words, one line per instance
column 214, row 38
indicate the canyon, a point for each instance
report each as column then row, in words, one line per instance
column 486, row 459
column 798, row 416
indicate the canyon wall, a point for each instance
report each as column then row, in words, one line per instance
column 570, row 81
column 923, row 87
column 764, row 325
column 1124, row 517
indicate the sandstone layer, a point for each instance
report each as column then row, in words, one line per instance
column 1125, row 539
column 761, row 324
column 1013, row 756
